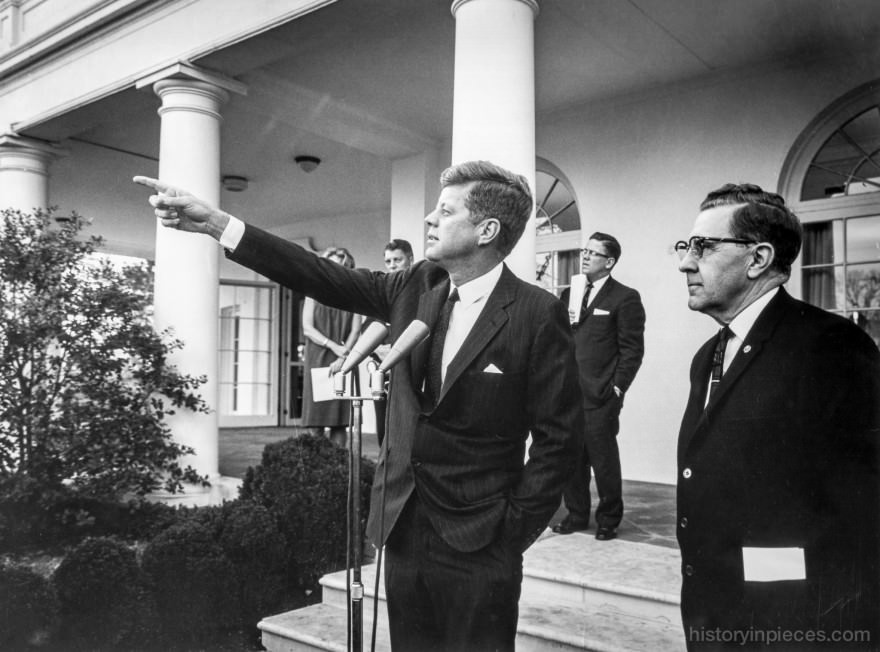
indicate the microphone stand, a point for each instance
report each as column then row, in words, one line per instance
column 356, row 587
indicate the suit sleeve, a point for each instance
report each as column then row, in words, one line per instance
column 630, row 340
column 555, row 416
column 359, row 291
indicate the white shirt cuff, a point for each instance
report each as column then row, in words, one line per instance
column 232, row 234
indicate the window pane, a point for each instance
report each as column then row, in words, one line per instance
column 823, row 243
column 846, row 163
column 863, row 239
column 863, row 286
column 823, row 287
column 246, row 349
column 870, row 321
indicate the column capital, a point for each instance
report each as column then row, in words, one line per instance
column 183, row 71
column 532, row 4
column 40, row 149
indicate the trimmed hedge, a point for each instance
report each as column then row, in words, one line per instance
column 29, row 610
column 303, row 481
column 105, row 602
column 193, row 582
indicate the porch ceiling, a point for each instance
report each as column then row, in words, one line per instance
column 361, row 82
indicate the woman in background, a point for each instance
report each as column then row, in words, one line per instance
column 329, row 335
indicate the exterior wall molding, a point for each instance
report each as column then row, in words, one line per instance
column 39, row 85
column 532, row 4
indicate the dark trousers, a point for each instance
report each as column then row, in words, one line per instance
column 443, row 600
column 598, row 450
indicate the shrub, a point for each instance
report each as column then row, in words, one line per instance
column 193, row 582
column 85, row 379
column 252, row 540
column 104, row 600
column 303, row 481
column 28, row 608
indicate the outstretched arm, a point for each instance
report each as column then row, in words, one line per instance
column 178, row 209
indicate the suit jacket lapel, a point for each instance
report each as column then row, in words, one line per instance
column 695, row 416
column 491, row 319
column 751, row 347
column 595, row 297
column 430, row 305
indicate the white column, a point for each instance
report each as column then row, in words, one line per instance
column 414, row 190
column 187, row 265
column 24, row 173
column 494, row 96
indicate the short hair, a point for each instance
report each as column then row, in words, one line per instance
column 341, row 252
column 496, row 194
column 763, row 217
column 400, row 243
column 610, row 242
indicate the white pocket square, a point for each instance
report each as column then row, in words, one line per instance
column 599, row 311
column 492, row 369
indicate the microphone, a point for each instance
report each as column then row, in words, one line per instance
column 372, row 337
column 409, row 338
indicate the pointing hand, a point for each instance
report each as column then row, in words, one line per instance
column 177, row 208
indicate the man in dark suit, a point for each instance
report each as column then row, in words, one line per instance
column 778, row 474
column 398, row 255
column 453, row 500
column 609, row 329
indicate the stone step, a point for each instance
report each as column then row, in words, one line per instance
column 319, row 627
column 578, row 594
column 542, row 627
column 576, row 569
column 636, row 578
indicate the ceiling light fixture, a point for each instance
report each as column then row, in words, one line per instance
column 307, row 163
column 234, row 183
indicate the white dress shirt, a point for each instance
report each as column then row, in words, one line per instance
column 472, row 298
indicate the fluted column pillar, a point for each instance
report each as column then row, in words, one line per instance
column 24, row 173
column 494, row 96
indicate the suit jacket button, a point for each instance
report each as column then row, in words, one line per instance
column 689, row 570
column 683, row 522
column 686, row 474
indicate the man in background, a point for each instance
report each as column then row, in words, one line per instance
column 778, row 476
column 398, row 256
column 609, row 328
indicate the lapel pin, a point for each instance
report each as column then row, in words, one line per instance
column 747, row 348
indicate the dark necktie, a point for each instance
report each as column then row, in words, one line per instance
column 585, row 303
column 718, row 359
column 433, row 376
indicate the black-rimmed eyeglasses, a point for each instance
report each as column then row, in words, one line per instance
column 591, row 253
column 697, row 245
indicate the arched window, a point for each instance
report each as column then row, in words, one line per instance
column 558, row 225
column 831, row 179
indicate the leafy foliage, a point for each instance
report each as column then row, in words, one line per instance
column 193, row 581
column 105, row 601
column 303, row 481
column 28, row 608
column 85, row 381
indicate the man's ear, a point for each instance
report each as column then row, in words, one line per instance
column 762, row 259
column 487, row 231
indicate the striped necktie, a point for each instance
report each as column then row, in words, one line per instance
column 718, row 359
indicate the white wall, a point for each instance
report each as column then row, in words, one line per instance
column 640, row 167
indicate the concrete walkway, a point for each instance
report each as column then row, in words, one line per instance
column 649, row 509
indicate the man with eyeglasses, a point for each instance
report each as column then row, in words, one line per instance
column 609, row 345
column 778, row 475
